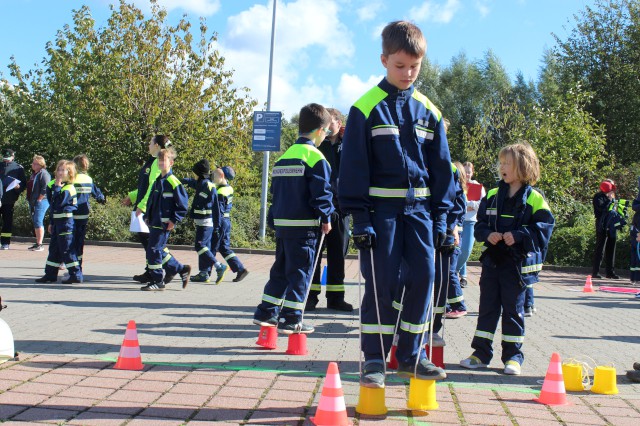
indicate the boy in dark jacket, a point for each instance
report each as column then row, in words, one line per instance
column 300, row 210
column 205, row 212
column 167, row 205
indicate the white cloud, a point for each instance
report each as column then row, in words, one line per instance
column 377, row 31
column 370, row 10
column 301, row 50
column 351, row 88
column 199, row 7
column 431, row 11
column 482, row 7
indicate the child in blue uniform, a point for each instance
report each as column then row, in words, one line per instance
column 515, row 224
column 300, row 210
column 166, row 206
column 396, row 182
column 222, row 240
column 634, row 231
column 205, row 211
column 85, row 188
column 63, row 203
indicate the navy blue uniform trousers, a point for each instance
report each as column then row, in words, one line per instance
column 206, row 258
column 156, row 255
column 501, row 292
column 223, row 245
column 61, row 250
column 399, row 237
column 289, row 279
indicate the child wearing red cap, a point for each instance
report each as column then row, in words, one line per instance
column 605, row 241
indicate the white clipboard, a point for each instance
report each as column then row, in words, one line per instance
column 137, row 223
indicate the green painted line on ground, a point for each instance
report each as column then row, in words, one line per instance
column 354, row 377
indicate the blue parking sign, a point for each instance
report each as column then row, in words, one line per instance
column 266, row 131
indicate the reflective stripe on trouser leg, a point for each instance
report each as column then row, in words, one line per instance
column 393, row 233
column 500, row 296
column 61, row 250
column 203, row 242
column 225, row 246
column 79, row 232
column 288, row 278
column 155, row 253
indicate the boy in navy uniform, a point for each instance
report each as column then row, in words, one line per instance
column 222, row 240
column 205, row 212
column 301, row 209
column 397, row 184
column 166, row 206
column 10, row 172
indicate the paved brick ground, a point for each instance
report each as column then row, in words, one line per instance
column 202, row 364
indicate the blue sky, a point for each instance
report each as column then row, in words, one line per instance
column 327, row 51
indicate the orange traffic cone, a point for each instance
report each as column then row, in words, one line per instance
column 297, row 344
column 553, row 392
column 129, row 358
column 268, row 337
column 588, row 286
column 332, row 410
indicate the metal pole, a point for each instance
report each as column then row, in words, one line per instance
column 265, row 157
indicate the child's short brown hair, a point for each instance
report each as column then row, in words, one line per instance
column 167, row 154
column 82, row 162
column 525, row 160
column 312, row 117
column 335, row 114
column 405, row 36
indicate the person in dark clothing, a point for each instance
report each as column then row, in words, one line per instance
column 605, row 241
column 14, row 182
column 337, row 241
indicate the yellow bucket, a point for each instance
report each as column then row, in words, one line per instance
column 422, row 395
column 604, row 381
column 371, row 402
column 573, row 376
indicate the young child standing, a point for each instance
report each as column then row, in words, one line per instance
column 300, row 210
column 222, row 241
column 205, row 211
column 396, row 182
column 515, row 224
column 85, row 188
column 166, row 206
column 63, row 203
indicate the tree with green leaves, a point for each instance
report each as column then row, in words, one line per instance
column 602, row 54
column 106, row 91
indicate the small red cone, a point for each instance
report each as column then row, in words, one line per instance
column 268, row 337
column 437, row 355
column 588, row 286
column 393, row 361
column 129, row 358
column 553, row 391
column 332, row 410
column 297, row 344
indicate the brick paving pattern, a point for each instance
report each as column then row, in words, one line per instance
column 202, row 365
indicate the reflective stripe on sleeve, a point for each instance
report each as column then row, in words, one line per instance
column 385, row 131
column 398, row 192
column 292, row 222
column 375, row 329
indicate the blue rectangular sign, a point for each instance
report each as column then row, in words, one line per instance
column 266, row 131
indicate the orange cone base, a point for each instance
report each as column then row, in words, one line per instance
column 553, row 391
column 422, row 395
column 130, row 358
column 331, row 409
column 393, row 361
column 371, row 402
column 297, row 344
column 437, row 355
column 588, row 286
column 268, row 337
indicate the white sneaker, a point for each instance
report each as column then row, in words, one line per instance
column 512, row 368
column 437, row 341
column 472, row 363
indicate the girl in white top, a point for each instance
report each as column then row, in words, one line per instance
column 470, row 219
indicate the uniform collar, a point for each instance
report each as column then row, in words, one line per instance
column 393, row 90
column 306, row 141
